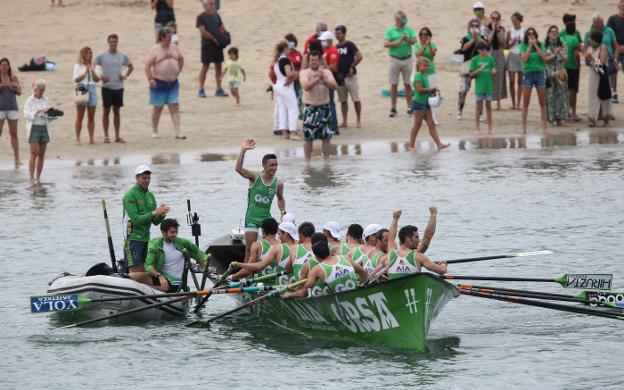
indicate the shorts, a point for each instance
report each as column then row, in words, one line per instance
column 253, row 224
column 39, row 134
column 420, row 107
column 11, row 115
column 211, row 54
column 164, row 93
column 514, row 62
column 234, row 84
column 400, row 67
column 317, row 122
column 92, row 102
column 534, row 79
column 112, row 97
column 350, row 87
column 483, row 97
column 573, row 79
column 135, row 253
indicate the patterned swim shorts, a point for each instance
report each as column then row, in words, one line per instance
column 316, row 122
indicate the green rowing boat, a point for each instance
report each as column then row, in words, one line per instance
column 396, row 313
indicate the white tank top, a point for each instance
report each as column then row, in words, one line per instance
column 280, row 77
column 516, row 34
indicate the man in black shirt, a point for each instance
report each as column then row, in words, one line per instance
column 616, row 22
column 208, row 23
column 350, row 57
column 468, row 50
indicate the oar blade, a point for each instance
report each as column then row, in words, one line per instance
column 530, row 253
column 586, row 281
column 596, row 297
column 53, row 303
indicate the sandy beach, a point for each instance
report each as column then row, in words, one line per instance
column 34, row 28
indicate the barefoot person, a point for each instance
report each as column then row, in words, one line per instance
column 86, row 76
column 9, row 90
column 350, row 57
column 483, row 70
column 398, row 39
column 163, row 65
column 263, row 187
column 316, row 83
column 35, row 112
column 533, row 55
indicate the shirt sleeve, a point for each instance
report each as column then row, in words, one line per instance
column 126, row 60
column 150, row 258
column 29, row 112
column 354, row 48
column 129, row 204
column 98, row 60
column 78, row 71
column 473, row 64
column 199, row 22
column 387, row 35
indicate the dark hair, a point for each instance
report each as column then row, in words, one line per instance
column 291, row 38
column 380, row 233
column 9, row 72
column 306, row 229
column 426, row 30
column 481, row 46
column 557, row 42
column 518, row 15
column 269, row 225
column 568, row 18
column 162, row 32
column 112, row 36
column 315, row 45
column 405, row 232
column 525, row 40
column 168, row 223
column 320, row 247
column 233, row 50
column 596, row 36
column 268, row 157
column 342, row 28
column 355, row 230
column 570, row 28
column 279, row 49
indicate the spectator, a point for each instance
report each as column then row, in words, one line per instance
column 572, row 39
column 164, row 15
column 468, row 49
column 483, row 70
column 315, row 45
column 496, row 38
column 478, row 10
column 319, row 27
column 596, row 58
column 295, row 58
column 557, row 85
column 286, row 99
column 350, row 57
column 9, row 90
column 112, row 63
column 420, row 105
column 514, row 63
column 236, row 70
column 35, row 113
column 425, row 48
column 399, row 39
column 316, row 83
column 609, row 40
column 163, row 65
column 86, row 76
column 209, row 22
column 616, row 23
column 332, row 62
column 60, row 3
column 533, row 54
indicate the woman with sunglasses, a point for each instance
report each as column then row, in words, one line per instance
column 533, row 55
column 497, row 40
column 557, row 84
column 427, row 49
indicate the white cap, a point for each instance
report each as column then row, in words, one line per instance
column 288, row 217
column 478, row 4
column 333, row 228
column 290, row 228
column 371, row 229
column 326, row 36
column 142, row 169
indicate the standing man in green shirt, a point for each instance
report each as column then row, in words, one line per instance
column 263, row 187
column 139, row 213
column 399, row 39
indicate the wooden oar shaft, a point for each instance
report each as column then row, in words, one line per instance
column 217, row 284
column 546, row 305
column 497, row 278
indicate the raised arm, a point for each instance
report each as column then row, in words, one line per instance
column 247, row 174
column 394, row 227
column 429, row 230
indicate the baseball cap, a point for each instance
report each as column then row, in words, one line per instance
column 142, row 169
column 371, row 229
column 326, row 36
column 290, row 228
column 334, row 229
column 478, row 4
column 289, row 217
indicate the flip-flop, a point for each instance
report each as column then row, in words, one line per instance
column 180, row 137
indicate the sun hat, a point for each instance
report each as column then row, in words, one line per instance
column 371, row 229
column 478, row 4
column 142, row 169
column 289, row 217
column 326, row 36
column 290, row 228
column 333, row 228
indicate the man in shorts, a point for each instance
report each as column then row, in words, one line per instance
column 399, row 39
column 350, row 57
column 316, row 83
column 112, row 63
column 163, row 64
column 208, row 23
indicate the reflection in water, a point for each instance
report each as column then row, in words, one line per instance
column 166, row 158
column 493, row 143
column 208, row 157
column 318, row 178
column 562, row 139
column 603, row 136
column 39, row 194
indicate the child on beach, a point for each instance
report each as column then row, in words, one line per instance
column 482, row 69
column 235, row 69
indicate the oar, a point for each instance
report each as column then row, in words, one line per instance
column 111, row 249
column 130, row 311
column 589, row 281
column 506, row 255
column 73, row 302
column 547, row 305
column 271, row 294
column 217, row 283
column 580, row 297
column 249, row 282
column 253, row 289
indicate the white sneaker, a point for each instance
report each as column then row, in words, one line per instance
column 459, row 115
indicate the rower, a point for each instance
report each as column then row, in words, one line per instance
column 260, row 249
column 370, row 241
column 166, row 258
column 302, row 253
column 333, row 273
column 331, row 230
column 406, row 259
column 370, row 260
column 263, row 186
column 354, row 238
column 276, row 259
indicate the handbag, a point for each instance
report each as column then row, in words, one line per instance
column 81, row 95
column 435, row 101
column 222, row 35
column 604, row 87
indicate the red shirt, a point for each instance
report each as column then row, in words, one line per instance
column 306, row 46
column 331, row 56
column 295, row 58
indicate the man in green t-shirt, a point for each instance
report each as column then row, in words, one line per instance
column 398, row 39
column 483, row 70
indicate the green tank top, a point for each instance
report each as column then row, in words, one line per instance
column 301, row 258
column 369, row 264
column 345, row 249
column 402, row 266
column 259, row 200
column 357, row 254
column 266, row 246
column 338, row 277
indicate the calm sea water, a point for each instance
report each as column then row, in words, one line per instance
column 564, row 193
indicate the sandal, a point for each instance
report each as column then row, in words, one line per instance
column 180, row 137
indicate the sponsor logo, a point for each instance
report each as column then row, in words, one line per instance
column 412, row 302
column 56, row 303
column 262, row 199
column 369, row 314
column 601, row 282
column 271, row 191
column 595, row 297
